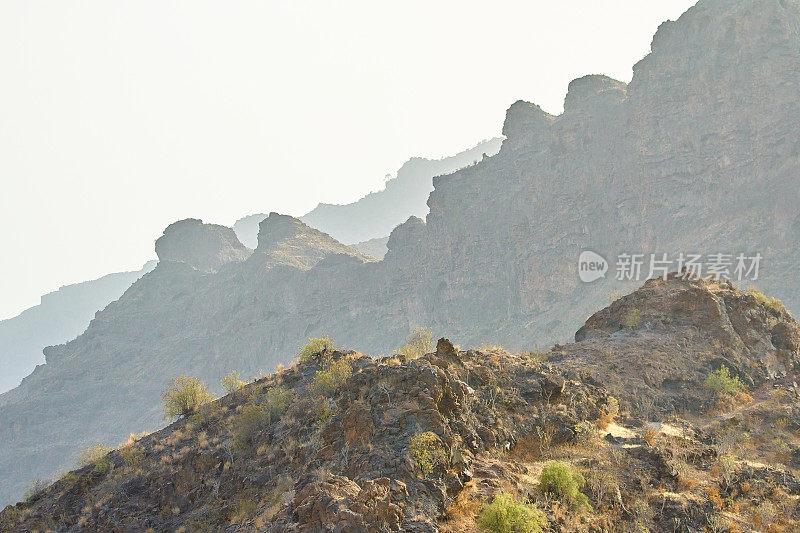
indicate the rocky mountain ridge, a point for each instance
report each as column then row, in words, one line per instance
column 296, row 452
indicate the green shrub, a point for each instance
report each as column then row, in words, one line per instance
column 631, row 319
column 331, row 377
column 93, row 454
column 765, row 301
column 276, row 401
column 723, row 384
column 507, row 514
column 418, row 343
column 67, row 481
column 245, row 426
column 427, row 452
column 314, row 350
column 184, row 396
column 563, row 481
column 232, row 382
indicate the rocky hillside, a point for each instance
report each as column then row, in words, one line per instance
column 626, row 416
column 107, row 382
column 699, row 153
column 61, row 316
column 375, row 215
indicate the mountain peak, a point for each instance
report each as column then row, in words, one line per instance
column 203, row 246
column 287, row 240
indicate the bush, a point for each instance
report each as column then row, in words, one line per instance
column 309, row 352
column 631, row 319
column 232, row 383
column 276, row 401
column 331, row 377
column 427, row 452
column 564, row 482
column 723, row 384
column 93, row 454
column 507, row 514
column 765, row 301
column 184, row 396
column 418, row 343
column 245, row 426
column 36, row 487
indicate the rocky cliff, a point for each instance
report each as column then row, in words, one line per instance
column 61, row 316
column 395, row 444
column 698, row 153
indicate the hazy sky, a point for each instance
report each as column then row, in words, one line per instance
column 117, row 118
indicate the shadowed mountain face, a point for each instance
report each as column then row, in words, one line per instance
column 61, row 316
column 376, row 215
column 698, row 153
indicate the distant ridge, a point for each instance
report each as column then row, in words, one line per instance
column 376, row 214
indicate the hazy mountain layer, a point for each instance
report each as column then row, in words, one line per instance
column 378, row 213
column 61, row 316
column 698, row 154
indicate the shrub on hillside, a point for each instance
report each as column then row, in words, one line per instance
column 245, row 426
column 563, row 481
column 331, row 377
column 507, row 514
column 36, row 487
column 427, row 452
column 723, row 383
column 765, row 301
column 631, row 319
column 418, row 343
column 97, row 456
column 308, row 352
column 232, row 382
column 184, row 396
column 276, row 401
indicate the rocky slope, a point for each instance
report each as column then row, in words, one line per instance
column 699, row 153
column 60, row 316
column 375, row 215
column 626, row 406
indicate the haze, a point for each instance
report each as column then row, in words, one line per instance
column 119, row 118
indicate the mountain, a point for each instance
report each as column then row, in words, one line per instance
column 376, row 214
column 619, row 431
column 61, row 316
column 699, row 153
column 374, row 247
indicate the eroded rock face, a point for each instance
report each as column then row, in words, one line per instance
column 205, row 247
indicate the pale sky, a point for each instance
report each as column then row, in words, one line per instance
column 118, row 118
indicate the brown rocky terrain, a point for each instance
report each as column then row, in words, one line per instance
column 626, row 405
column 699, row 153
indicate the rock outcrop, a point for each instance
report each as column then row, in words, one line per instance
column 205, row 247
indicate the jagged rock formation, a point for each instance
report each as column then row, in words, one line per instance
column 285, row 454
column 60, row 316
column 205, row 247
column 376, row 215
column 697, row 153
